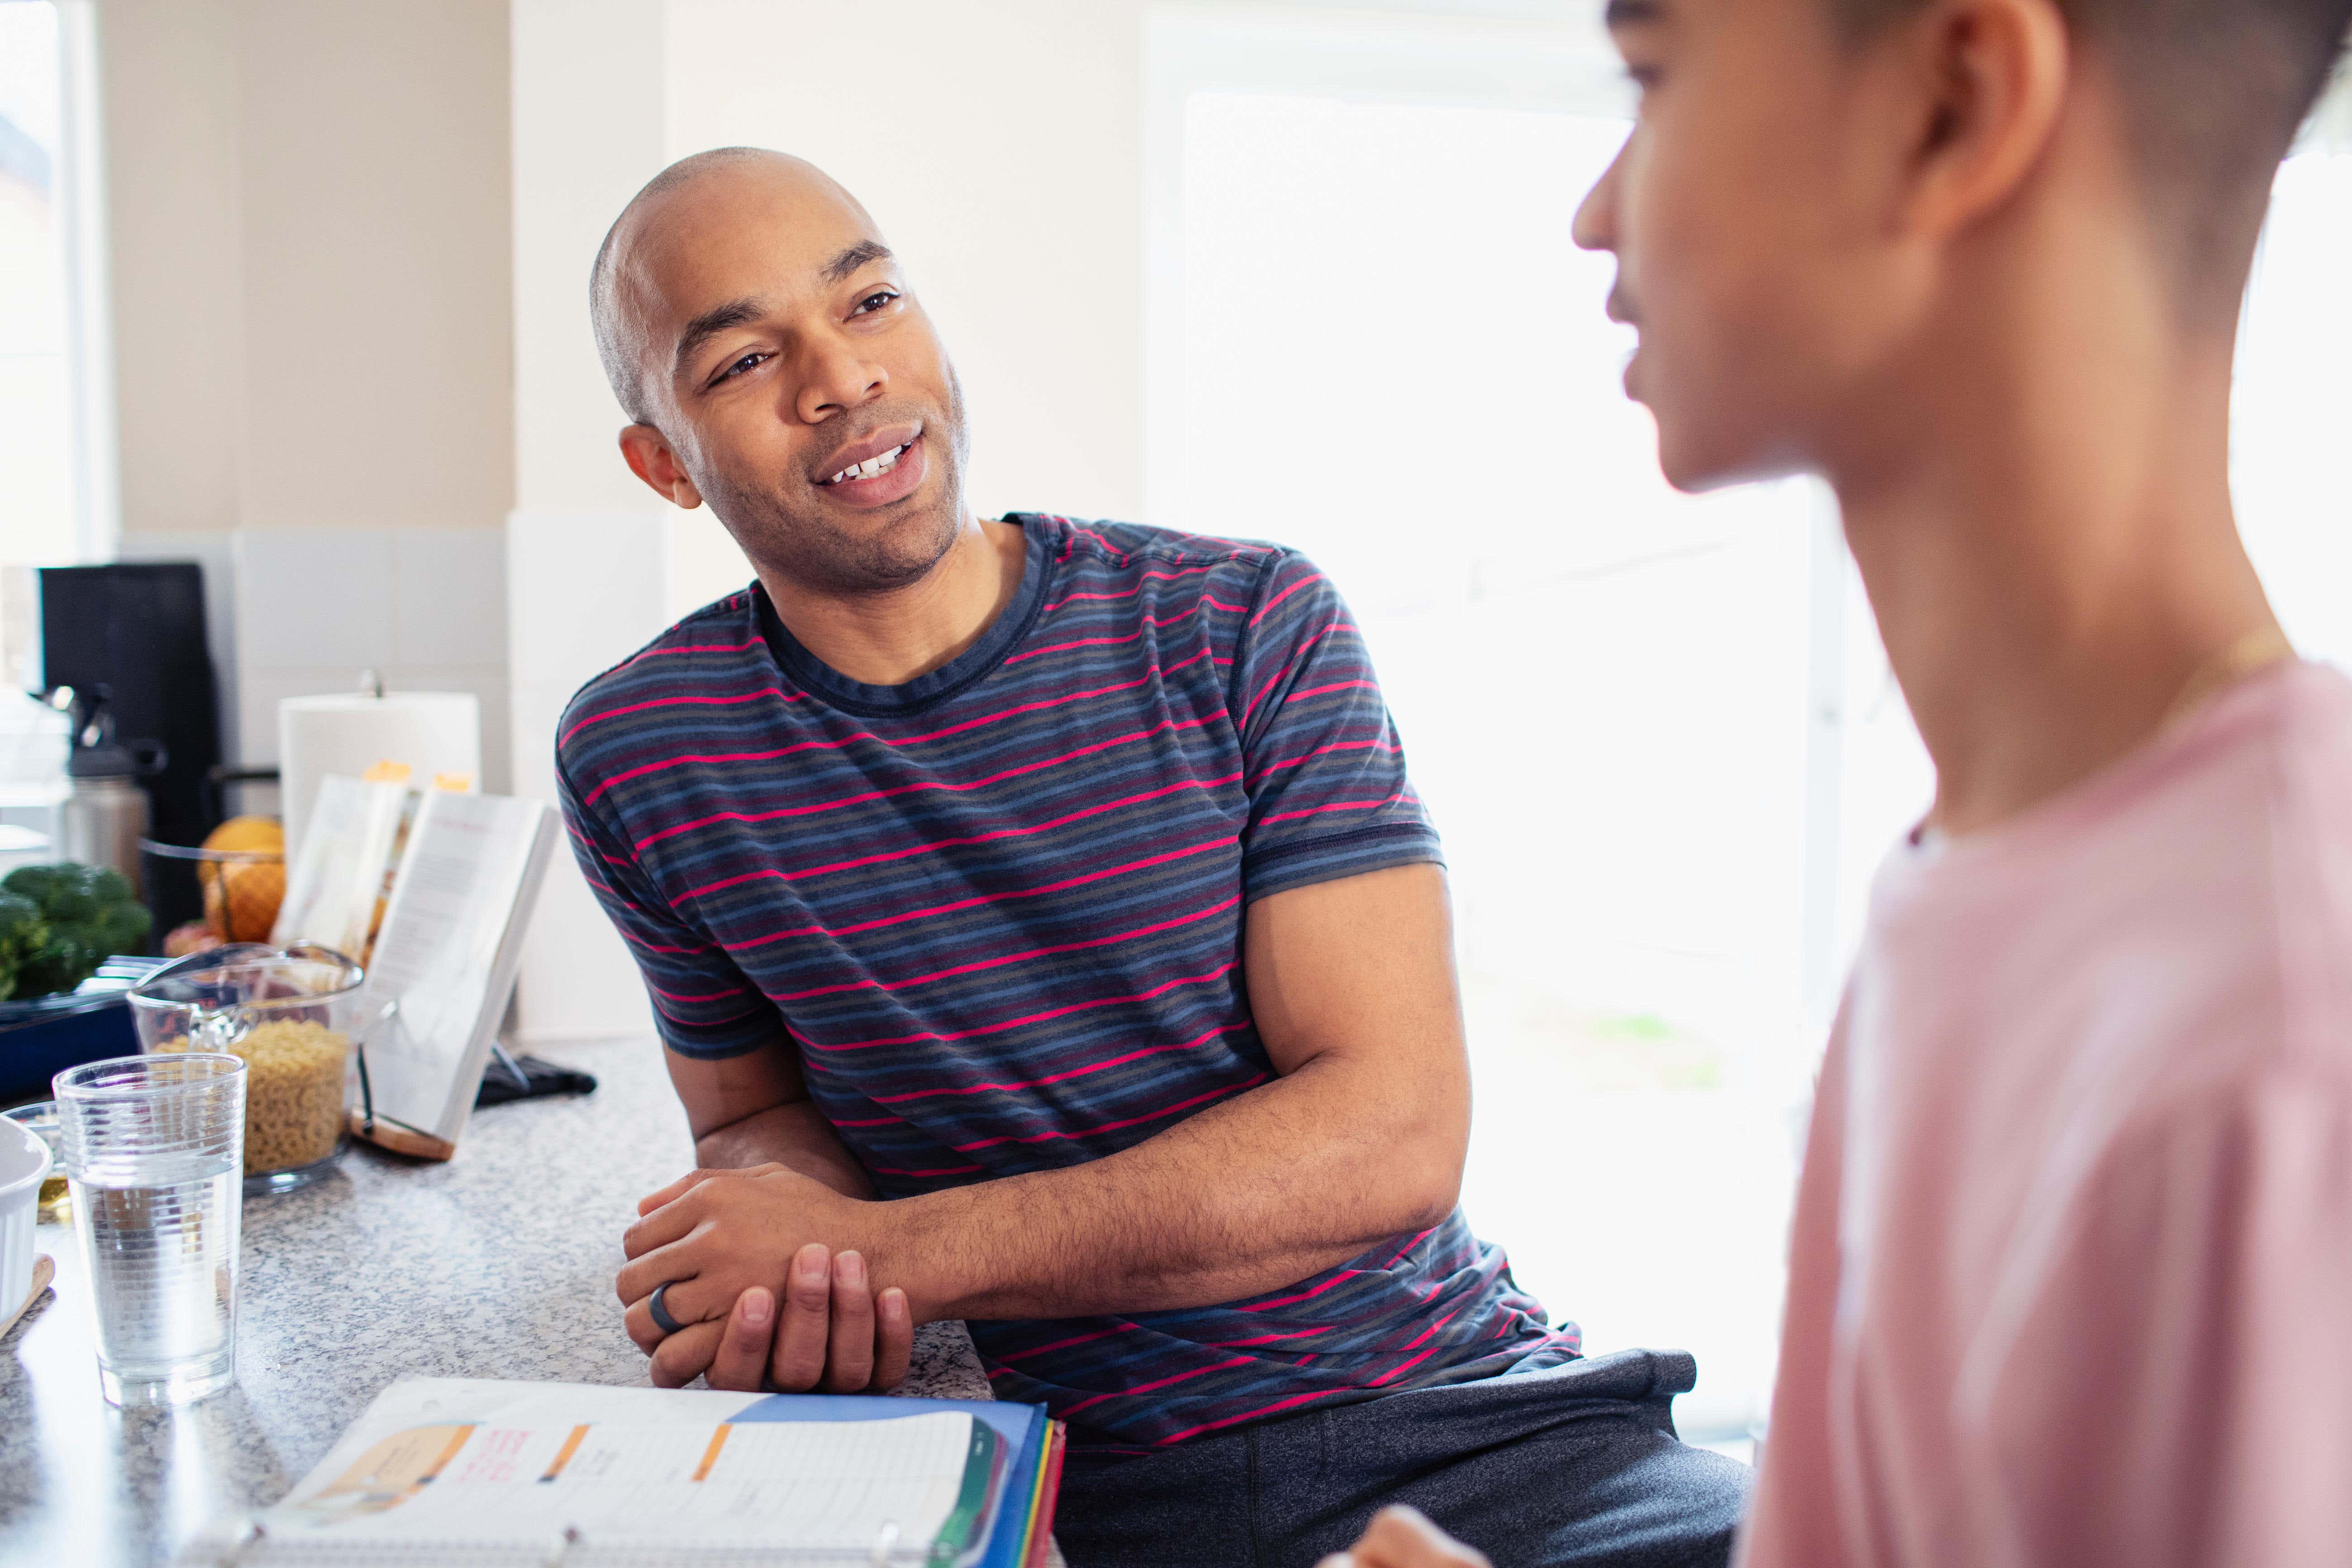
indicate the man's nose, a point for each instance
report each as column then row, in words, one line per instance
column 835, row 378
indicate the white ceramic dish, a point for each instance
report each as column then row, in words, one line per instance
column 24, row 1160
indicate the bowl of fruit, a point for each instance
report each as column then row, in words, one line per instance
column 239, row 872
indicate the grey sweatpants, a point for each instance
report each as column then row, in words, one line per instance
column 1573, row 1465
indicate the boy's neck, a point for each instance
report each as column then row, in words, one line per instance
column 2055, row 557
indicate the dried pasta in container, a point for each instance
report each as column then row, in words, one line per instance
column 293, row 1092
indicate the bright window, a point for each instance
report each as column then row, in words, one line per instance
column 37, row 484
column 54, row 488
column 1392, row 355
column 2293, row 410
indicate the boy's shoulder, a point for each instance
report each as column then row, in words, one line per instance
column 2243, row 924
column 2184, row 924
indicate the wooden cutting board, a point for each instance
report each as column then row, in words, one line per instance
column 44, row 1268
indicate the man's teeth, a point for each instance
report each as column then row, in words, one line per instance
column 882, row 463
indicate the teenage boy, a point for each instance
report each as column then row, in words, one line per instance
column 2072, row 1277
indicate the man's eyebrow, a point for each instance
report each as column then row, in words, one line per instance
column 847, row 264
column 713, row 321
column 1632, row 13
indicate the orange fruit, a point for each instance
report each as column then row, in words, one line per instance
column 248, row 836
column 239, row 836
column 251, row 891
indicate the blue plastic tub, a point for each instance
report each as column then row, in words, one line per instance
column 42, row 1038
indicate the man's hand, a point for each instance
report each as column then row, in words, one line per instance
column 728, row 1242
column 1402, row 1538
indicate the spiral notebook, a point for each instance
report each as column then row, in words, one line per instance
column 504, row 1475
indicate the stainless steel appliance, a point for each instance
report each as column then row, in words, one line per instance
column 106, row 812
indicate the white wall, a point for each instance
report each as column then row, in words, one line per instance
column 309, row 216
column 309, row 213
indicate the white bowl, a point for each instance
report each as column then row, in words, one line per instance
column 24, row 1161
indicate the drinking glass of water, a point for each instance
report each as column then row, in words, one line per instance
column 154, row 1149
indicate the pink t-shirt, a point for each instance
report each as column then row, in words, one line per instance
column 2071, row 1279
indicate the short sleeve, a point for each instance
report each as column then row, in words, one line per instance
column 705, row 1006
column 2178, row 1387
column 1322, row 764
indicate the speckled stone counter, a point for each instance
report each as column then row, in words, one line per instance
column 499, row 1264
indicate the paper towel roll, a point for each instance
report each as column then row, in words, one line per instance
column 433, row 733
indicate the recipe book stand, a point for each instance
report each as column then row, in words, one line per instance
column 527, row 1078
column 444, row 967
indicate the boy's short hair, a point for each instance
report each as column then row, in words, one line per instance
column 2216, row 91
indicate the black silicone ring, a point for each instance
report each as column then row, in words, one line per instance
column 662, row 1320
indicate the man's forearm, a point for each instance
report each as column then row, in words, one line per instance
column 1358, row 1136
column 1275, row 1185
column 795, row 1135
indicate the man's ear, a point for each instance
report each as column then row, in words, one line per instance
column 1992, row 78
column 649, row 457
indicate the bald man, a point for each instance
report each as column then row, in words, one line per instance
column 1044, row 933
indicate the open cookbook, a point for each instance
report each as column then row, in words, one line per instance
column 462, row 1471
column 431, row 891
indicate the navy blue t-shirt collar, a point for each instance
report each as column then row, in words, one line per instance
column 1003, row 635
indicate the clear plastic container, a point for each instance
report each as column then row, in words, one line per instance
column 293, row 1015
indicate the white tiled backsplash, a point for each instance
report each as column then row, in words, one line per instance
column 300, row 611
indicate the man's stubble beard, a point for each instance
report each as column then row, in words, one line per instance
column 811, row 552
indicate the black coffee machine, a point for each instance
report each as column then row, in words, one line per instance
column 132, row 635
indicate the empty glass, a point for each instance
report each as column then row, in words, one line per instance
column 154, row 1149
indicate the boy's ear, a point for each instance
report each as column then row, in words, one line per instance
column 1991, row 80
column 649, row 457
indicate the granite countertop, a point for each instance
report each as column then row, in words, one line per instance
column 499, row 1264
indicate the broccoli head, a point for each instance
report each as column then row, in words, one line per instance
column 84, row 912
column 23, row 933
column 34, row 882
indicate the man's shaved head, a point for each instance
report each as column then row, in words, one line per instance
column 775, row 363
column 2214, row 89
column 620, row 337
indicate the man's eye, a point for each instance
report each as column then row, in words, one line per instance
column 738, row 368
column 874, row 302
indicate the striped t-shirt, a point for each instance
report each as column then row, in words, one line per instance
column 997, row 912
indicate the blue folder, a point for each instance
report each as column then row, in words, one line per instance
column 1021, row 1504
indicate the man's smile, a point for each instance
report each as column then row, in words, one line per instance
column 887, row 465
column 870, row 467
